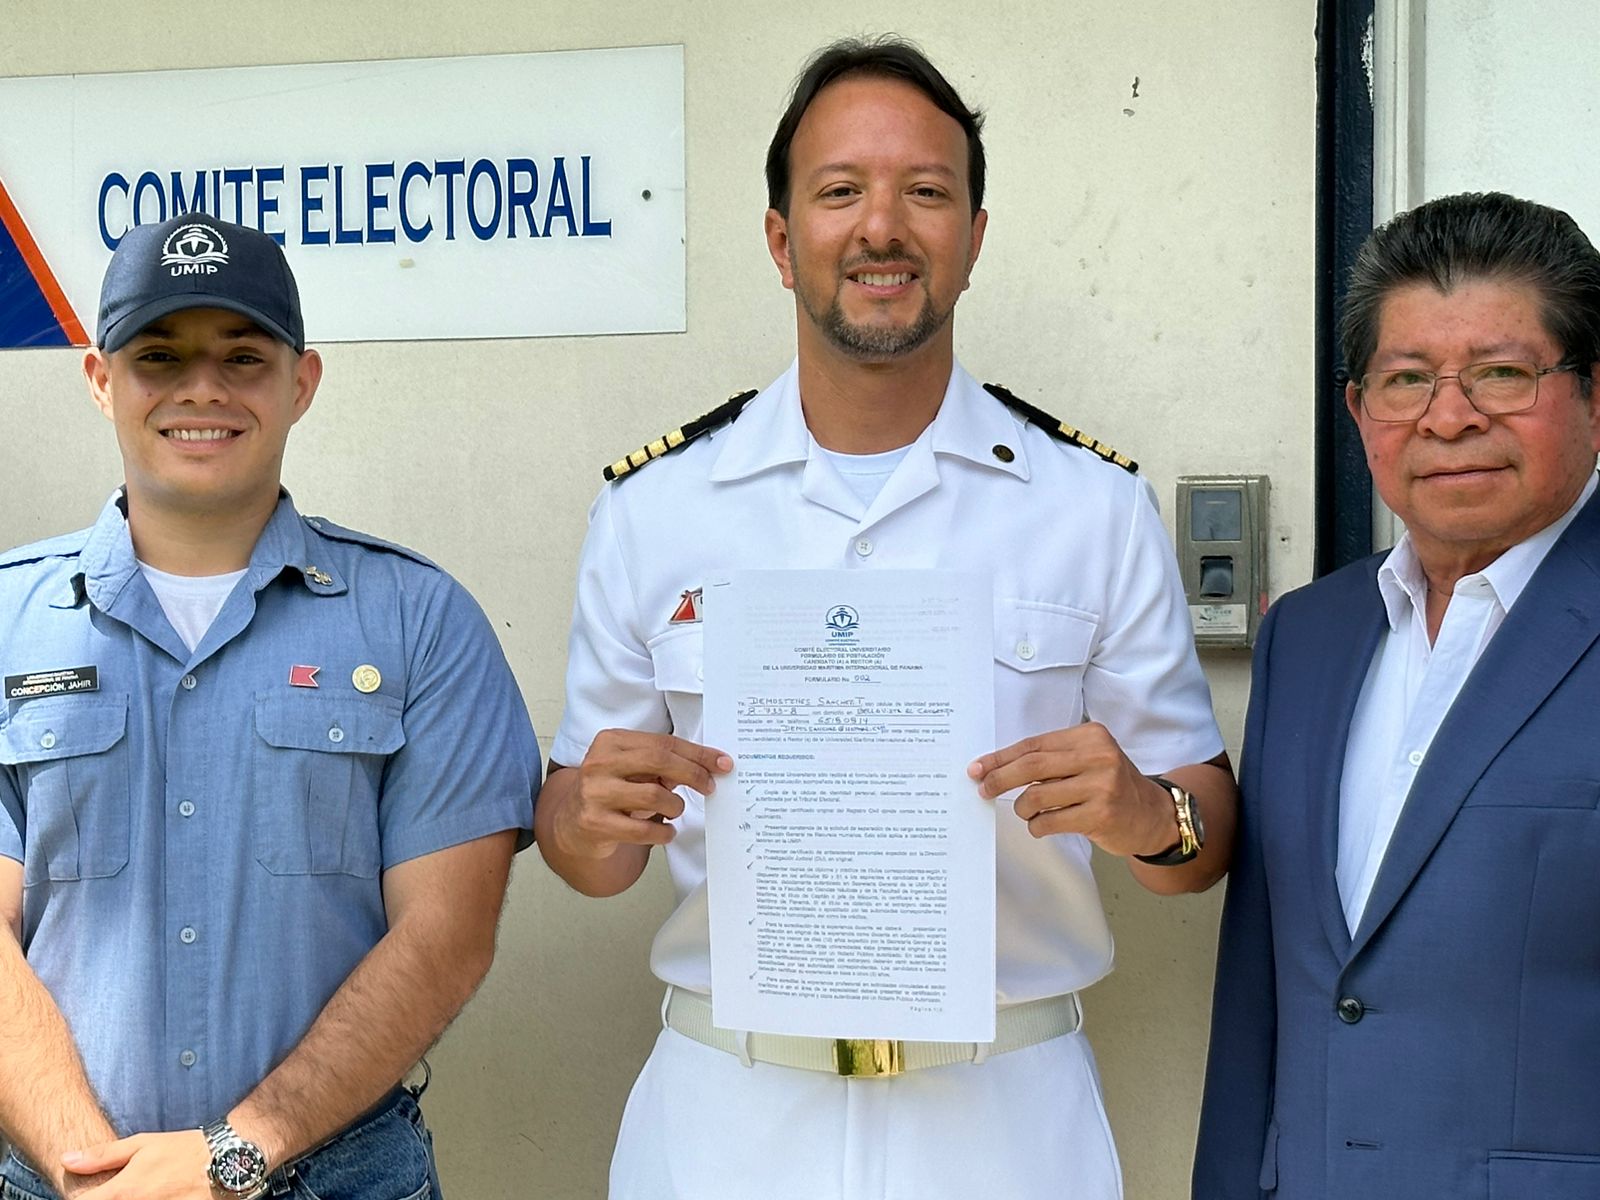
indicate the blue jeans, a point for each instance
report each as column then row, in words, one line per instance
column 386, row 1156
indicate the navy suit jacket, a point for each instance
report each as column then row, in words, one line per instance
column 1450, row 1049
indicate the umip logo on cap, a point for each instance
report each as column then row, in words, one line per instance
column 194, row 249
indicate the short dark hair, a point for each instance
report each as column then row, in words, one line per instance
column 885, row 57
column 1479, row 236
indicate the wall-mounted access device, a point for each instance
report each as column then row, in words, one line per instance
column 1222, row 555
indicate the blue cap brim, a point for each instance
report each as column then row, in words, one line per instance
column 133, row 323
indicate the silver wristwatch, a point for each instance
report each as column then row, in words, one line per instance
column 238, row 1167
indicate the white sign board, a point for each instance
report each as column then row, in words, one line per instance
column 508, row 195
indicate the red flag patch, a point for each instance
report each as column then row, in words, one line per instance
column 304, row 677
column 688, row 609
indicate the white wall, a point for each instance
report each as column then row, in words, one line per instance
column 1147, row 274
column 1509, row 103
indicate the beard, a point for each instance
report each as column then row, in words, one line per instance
column 870, row 342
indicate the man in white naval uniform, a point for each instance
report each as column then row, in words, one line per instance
column 877, row 451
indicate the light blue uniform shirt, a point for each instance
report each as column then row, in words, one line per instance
column 202, row 840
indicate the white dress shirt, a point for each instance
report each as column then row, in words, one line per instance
column 1090, row 622
column 1411, row 685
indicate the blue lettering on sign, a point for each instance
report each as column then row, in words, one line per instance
column 520, row 199
column 497, row 195
column 147, row 182
column 236, row 178
column 415, row 170
column 310, row 204
column 267, row 202
column 112, row 182
column 592, row 228
column 560, row 200
column 449, row 170
column 345, row 237
column 195, row 201
column 483, row 169
column 378, row 203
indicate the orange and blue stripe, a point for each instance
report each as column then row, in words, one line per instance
column 34, row 311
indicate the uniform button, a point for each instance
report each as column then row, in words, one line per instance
column 187, row 935
column 863, row 546
column 188, row 682
column 1351, row 1010
column 48, row 741
column 186, row 808
column 1415, row 758
column 188, row 1058
column 336, row 735
column 1025, row 650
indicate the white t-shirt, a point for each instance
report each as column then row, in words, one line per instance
column 191, row 602
column 865, row 473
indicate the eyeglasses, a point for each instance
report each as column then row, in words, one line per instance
column 1493, row 388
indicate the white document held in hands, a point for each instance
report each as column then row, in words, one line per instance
column 850, row 860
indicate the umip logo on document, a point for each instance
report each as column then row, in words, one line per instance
column 842, row 621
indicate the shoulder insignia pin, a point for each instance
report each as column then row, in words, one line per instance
column 725, row 412
column 1059, row 429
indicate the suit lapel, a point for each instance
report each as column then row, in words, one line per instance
column 1351, row 629
column 1551, row 626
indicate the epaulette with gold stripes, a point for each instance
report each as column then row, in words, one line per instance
column 728, row 410
column 1059, row 429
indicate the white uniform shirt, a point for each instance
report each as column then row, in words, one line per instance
column 1090, row 623
column 1409, row 688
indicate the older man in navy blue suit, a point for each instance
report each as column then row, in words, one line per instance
column 1408, row 991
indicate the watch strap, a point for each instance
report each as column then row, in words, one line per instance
column 1188, row 844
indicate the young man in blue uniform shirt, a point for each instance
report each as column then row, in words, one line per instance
column 261, row 781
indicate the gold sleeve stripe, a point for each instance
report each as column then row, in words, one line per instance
column 1059, row 429
column 682, row 436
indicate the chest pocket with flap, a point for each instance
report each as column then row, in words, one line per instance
column 678, row 661
column 71, row 757
column 319, row 764
column 1030, row 635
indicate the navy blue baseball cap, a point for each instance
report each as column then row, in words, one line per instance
column 197, row 261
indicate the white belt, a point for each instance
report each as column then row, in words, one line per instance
column 1019, row 1025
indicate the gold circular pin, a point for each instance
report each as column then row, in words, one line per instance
column 366, row 678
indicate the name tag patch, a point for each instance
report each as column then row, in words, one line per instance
column 52, row 683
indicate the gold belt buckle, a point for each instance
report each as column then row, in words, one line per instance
column 867, row 1058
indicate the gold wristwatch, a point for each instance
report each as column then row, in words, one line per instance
column 1191, row 830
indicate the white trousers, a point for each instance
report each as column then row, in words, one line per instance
column 1026, row 1125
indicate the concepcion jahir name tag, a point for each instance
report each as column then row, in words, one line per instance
column 52, row 683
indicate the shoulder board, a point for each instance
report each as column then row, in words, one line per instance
column 338, row 533
column 1059, row 429
column 66, row 545
column 725, row 412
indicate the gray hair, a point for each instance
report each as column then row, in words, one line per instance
column 1479, row 236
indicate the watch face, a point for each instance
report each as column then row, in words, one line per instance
column 239, row 1168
